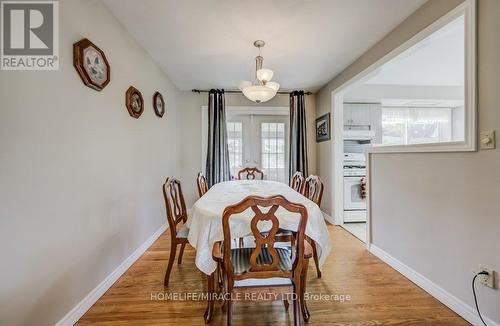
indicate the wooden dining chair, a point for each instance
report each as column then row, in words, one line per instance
column 297, row 181
column 176, row 218
column 202, row 183
column 264, row 268
column 249, row 173
column 313, row 189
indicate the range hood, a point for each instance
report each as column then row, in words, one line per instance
column 359, row 134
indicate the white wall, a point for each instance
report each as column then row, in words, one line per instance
column 191, row 136
column 438, row 212
column 80, row 179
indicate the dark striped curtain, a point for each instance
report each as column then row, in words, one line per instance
column 217, row 168
column 298, row 134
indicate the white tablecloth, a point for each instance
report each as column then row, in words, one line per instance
column 205, row 221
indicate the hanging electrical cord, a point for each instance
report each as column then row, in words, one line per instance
column 475, row 297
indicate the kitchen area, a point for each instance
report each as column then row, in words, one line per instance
column 388, row 121
column 362, row 121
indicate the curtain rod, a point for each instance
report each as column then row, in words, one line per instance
column 236, row 92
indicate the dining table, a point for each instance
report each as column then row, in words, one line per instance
column 205, row 220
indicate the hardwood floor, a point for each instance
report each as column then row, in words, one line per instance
column 379, row 294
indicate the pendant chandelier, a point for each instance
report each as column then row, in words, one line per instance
column 262, row 89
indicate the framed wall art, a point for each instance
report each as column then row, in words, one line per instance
column 134, row 102
column 91, row 64
column 323, row 128
column 158, row 104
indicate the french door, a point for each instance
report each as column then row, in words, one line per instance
column 261, row 141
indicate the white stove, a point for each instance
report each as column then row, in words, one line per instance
column 354, row 171
column 354, row 177
column 354, row 160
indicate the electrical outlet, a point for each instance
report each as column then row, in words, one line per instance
column 487, row 280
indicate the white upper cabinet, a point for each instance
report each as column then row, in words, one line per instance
column 360, row 115
column 357, row 114
column 347, row 114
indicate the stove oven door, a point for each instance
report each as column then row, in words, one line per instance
column 352, row 194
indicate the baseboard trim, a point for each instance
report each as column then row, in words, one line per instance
column 452, row 302
column 81, row 308
column 328, row 218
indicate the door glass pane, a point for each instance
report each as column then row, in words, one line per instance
column 273, row 150
column 235, row 145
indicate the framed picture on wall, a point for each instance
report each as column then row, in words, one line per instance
column 134, row 102
column 158, row 104
column 91, row 64
column 323, row 128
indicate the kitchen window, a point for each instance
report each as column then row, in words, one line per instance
column 407, row 126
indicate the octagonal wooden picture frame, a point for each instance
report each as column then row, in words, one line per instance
column 158, row 104
column 91, row 64
column 134, row 102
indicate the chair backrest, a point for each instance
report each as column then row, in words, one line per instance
column 250, row 174
column 202, row 183
column 174, row 204
column 264, row 239
column 297, row 181
column 313, row 189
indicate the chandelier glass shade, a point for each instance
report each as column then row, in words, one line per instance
column 258, row 93
column 262, row 89
column 264, row 75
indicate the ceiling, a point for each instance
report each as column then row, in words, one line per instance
column 206, row 44
column 438, row 60
column 432, row 69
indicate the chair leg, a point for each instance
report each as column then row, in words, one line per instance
column 221, row 287
column 286, row 304
column 303, row 281
column 242, row 242
column 179, row 261
column 210, row 304
column 219, row 278
column 173, row 249
column 229, row 311
column 296, row 303
column 315, row 256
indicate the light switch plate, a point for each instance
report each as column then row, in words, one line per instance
column 487, row 140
